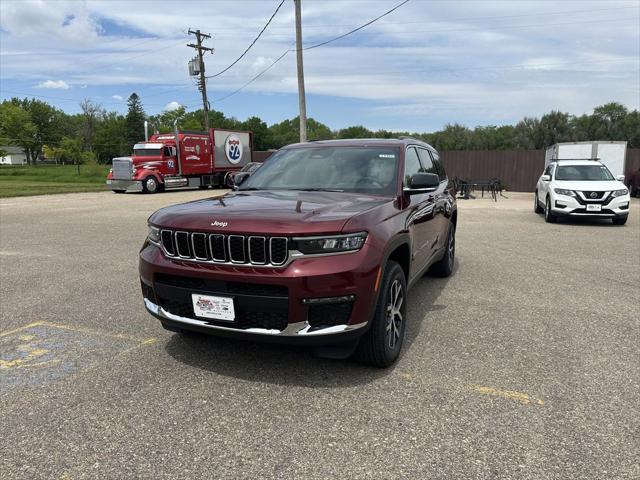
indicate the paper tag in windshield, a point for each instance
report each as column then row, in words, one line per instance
column 387, row 155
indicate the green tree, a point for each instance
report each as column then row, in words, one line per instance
column 163, row 122
column 110, row 138
column 48, row 121
column 16, row 128
column 262, row 137
column 134, row 121
column 357, row 131
column 92, row 113
column 70, row 151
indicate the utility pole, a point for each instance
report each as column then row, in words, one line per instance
column 202, row 85
column 301, row 95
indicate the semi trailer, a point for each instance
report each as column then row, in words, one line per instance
column 611, row 154
column 181, row 159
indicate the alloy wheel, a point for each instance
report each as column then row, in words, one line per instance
column 394, row 314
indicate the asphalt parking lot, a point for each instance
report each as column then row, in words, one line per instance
column 523, row 364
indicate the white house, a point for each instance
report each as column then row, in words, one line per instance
column 13, row 156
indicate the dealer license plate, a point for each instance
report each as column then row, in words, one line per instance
column 217, row 308
column 594, row 208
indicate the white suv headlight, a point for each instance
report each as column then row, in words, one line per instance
column 619, row 193
column 562, row 191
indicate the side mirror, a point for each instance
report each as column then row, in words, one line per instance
column 239, row 178
column 422, row 182
column 620, row 178
column 545, row 178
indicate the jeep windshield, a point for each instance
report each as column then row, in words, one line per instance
column 370, row 170
column 583, row 173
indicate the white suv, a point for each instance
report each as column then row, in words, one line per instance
column 581, row 188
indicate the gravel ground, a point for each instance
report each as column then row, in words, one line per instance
column 523, row 364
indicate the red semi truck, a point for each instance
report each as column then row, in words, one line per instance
column 183, row 159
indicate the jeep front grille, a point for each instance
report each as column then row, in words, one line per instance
column 225, row 249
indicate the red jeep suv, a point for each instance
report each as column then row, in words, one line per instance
column 318, row 247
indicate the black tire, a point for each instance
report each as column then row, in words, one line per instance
column 444, row 267
column 549, row 217
column 381, row 345
column 536, row 204
column 619, row 220
column 150, row 185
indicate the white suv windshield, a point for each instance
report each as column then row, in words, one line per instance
column 583, row 172
column 346, row 169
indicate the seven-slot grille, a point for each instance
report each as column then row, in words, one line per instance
column 217, row 248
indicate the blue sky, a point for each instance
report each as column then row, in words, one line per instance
column 427, row 64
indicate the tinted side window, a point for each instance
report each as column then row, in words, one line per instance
column 438, row 164
column 411, row 164
column 427, row 163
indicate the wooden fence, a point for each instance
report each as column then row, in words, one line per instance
column 518, row 170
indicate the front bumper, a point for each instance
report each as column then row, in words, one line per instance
column 276, row 300
column 564, row 205
column 125, row 185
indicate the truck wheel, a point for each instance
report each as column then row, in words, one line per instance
column 382, row 343
column 444, row 267
column 549, row 217
column 150, row 184
column 536, row 204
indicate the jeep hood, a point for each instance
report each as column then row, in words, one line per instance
column 269, row 212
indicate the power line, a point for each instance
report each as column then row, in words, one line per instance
column 254, row 78
column 358, row 28
column 250, row 45
column 284, row 54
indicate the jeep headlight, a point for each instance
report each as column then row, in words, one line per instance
column 330, row 244
column 154, row 235
column 562, row 191
column 619, row 193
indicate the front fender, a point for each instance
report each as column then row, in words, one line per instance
column 143, row 173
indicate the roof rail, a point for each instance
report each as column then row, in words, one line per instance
column 580, row 159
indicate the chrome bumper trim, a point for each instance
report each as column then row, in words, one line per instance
column 126, row 185
column 298, row 329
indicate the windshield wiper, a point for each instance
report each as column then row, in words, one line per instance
column 248, row 189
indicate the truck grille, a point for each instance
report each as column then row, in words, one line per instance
column 122, row 168
column 227, row 249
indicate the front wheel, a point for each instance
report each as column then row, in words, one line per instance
column 150, row 185
column 536, row 204
column 382, row 343
column 549, row 217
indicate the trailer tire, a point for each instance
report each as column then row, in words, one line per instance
column 150, row 184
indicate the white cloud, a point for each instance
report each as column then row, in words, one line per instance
column 54, row 84
column 452, row 62
column 172, row 106
column 117, row 97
